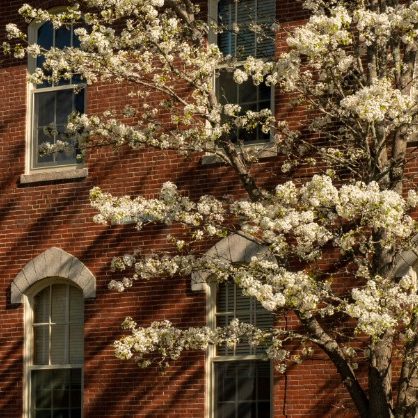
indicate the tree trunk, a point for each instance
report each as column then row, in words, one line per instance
column 408, row 380
column 380, row 378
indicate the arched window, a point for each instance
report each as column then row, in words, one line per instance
column 51, row 104
column 239, row 378
column 54, row 350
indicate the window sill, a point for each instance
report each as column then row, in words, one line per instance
column 266, row 150
column 45, row 176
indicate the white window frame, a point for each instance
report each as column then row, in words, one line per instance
column 30, row 110
column 213, row 39
column 211, row 357
column 28, row 348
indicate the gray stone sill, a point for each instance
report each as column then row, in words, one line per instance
column 262, row 150
column 45, row 176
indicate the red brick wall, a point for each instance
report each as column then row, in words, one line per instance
column 36, row 217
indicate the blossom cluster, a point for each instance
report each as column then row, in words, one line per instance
column 378, row 102
column 161, row 342
column 384, row 304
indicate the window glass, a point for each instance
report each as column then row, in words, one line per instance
column 241, row 387
column 54, row 103
column 246, row 30
column 56, row 372
column 56, row 393
column 51, row 112
column 232, row 304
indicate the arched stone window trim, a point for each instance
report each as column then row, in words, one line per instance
column 235, row 248
column 53, row 262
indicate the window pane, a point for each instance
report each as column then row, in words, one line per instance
column 245, row 44
column 226, row 18
column 64, row 106
column 63, row 37
column 58, row 344
column 225, row 381
column 75, row 392
column 76, row 343
column 60, row 398
column 227, row 88
column 263, row 390
column 236, row 393
column 226, row 410
column 246, row 381
column 59, row 304
column 264, row 410
column 247, row 92
column 76, row 413
column 75, row 379
column 247, row 410
column 265, row 47
column 43, row 414
column 45, row 35
column 56, row 392
column 61, row 414
column 266, row 10
column 225, row 297
column 41, row 306
column 44, row 108
column 264, row 95
column 230, row 304
column 75, row 40
column 75, row 400
column 41, row 344
column 246, row 15
column 41, row 389
column 79, row 101
column 42, row 138
column 68, row 155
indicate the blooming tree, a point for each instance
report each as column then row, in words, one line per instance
column 351, row 66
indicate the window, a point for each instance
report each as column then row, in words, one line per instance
column 240, row 376
column 51, row 104
column 55, row 350
column 240, row 38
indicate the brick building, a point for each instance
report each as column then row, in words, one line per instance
column 59, row 320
